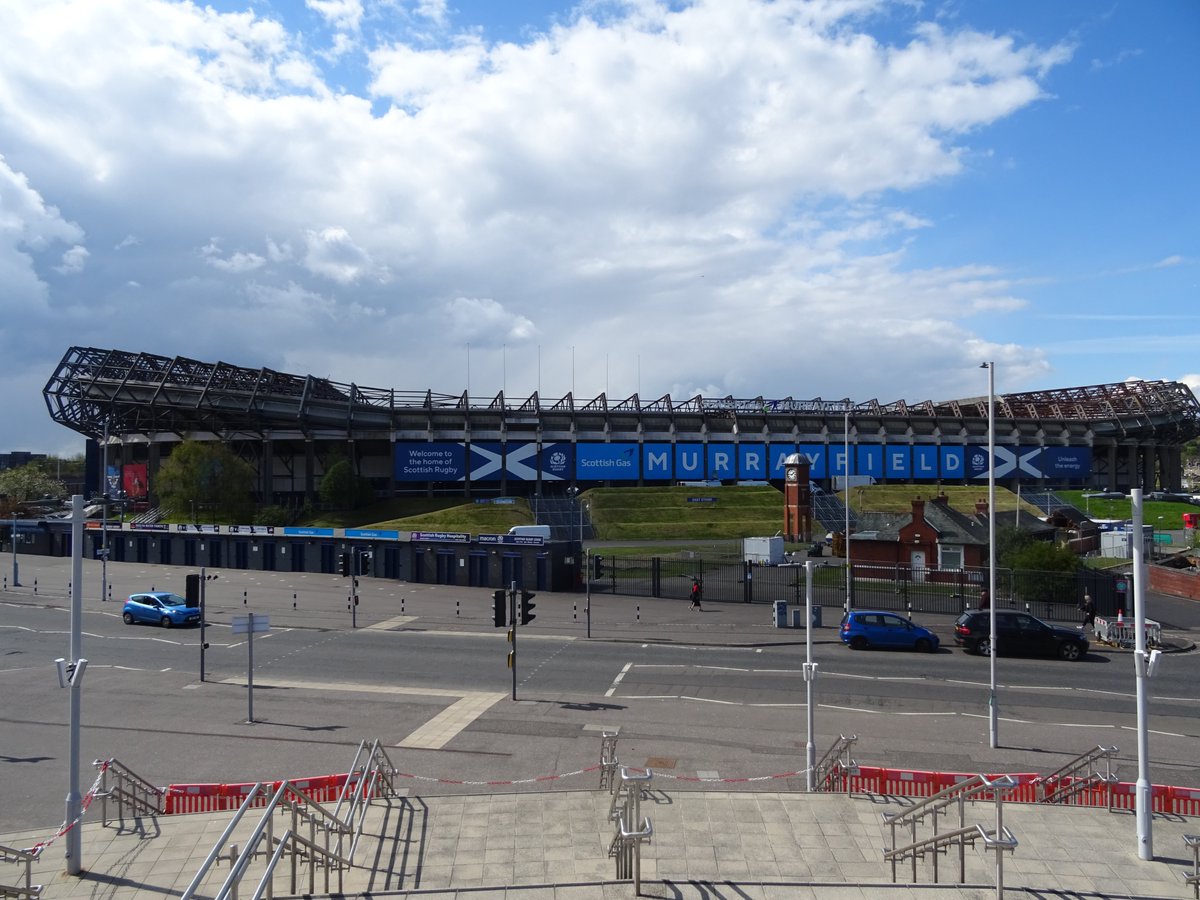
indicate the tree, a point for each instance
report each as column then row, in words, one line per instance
column 341, row 488
column 30, row 482
column 1042, row 571
column 206, row 476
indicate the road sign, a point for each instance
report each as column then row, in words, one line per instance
column 250, row 624
column 1162, row 538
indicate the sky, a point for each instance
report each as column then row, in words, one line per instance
column 837, row 199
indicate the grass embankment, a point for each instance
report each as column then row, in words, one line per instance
column 684, row 513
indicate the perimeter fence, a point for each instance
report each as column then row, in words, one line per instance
column 1054, row 596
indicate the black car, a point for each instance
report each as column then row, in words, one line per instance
column 1018, row 634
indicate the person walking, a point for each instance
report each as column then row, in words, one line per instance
column 985, row 600
column 1088, row 608
column 695, row 595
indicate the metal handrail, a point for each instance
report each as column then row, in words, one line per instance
column 371, row 774
column 1193, row 841
column 829, row 765
column 14, row 855
column 130, row 790
column 1066, row 782
column 1000, row 839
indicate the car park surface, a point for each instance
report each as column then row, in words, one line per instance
column 159, row 608
column 863, row 628
column 1018, row 634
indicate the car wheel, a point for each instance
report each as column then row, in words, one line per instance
column 166, row 622
column 127, row 618
column 923, row 646
column 983, row 647
column 858, row 642
column 1070, row 651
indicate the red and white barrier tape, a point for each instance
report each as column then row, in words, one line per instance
column 83, row 808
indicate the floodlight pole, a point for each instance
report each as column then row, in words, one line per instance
column 1142, row 796
column 993, row 708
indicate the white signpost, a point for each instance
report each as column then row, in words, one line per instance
column 249, row 625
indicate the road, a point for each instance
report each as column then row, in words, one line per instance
column 714, row 695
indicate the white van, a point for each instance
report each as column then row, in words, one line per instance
column 542, row 531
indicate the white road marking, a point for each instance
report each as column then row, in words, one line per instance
column 617, row 680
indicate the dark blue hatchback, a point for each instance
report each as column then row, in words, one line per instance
column 863, row 628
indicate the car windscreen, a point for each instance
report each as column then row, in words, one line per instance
column 171, row 600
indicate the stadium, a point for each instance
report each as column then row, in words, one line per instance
column 1109, row 437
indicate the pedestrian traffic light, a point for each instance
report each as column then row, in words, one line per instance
column 527, row 605
column 344, row 565
column 597, row 566
column 499, row 610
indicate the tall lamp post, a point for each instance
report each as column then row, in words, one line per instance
column 16, row 577
column 104, row 516
column 846, row 487
column 993, row 709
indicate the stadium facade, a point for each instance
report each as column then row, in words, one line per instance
column 1108, row 437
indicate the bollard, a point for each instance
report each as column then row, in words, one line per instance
column 35, row 585
column 574, row 611
column 639, row 613
column 293, row 601
column 6, row 582
column 456, row 609
column 243, row 598
column 401, row 606
column 68, row 588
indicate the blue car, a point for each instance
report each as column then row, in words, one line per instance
column 159, row 608
column 863, row 628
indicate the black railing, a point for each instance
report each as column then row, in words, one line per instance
column 1048, row 595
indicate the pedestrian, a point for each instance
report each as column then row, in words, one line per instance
column 1088, row 608
column 985, row 600
column 696, row 591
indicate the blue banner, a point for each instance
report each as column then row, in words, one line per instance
column 954, row 460
column 607, row 462
column 924, row 462
column 424, row 461
column 818, row 460
column 869, row 460
column 658, row 462
column 689, row 461
column 373, row 533
column 722, row 461
column 297, row 531
column 1057, row 463
column 557, row 462
column 897, row 461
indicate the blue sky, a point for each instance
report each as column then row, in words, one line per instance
column 847, row 198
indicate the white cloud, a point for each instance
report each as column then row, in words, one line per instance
column 709, row 194
column 73, row 260
column 235, row 263
column 332, row 253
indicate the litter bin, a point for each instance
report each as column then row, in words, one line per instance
column 781, row 614
column 798, row 617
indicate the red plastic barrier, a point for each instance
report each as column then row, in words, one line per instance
column 191, row 798
column 909, row 783
column 867, row 780
column 1185, row 801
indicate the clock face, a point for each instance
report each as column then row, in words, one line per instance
column 791, row 474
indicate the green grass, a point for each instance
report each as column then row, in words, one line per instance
column 665, row 514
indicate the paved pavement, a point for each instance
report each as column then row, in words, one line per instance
column 706, row 844
column 731, row 843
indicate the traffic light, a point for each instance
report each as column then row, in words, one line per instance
column 364, row 564
column 527, row 605
column 191, row 590
column 344, row 565
column 499, row 608
column 597, row 566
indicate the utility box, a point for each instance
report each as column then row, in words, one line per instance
column 763, row 551
column 781, row 614
column 798, row 617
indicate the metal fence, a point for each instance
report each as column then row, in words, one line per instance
column 1053, row 596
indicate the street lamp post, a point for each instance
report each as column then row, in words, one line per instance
column 104, row 516
column 810, row 675
column 846, row 487
column 16, row 577
column 993, row 709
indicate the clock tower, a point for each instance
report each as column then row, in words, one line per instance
column 797, row 499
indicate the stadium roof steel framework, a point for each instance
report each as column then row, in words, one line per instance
column 140, row 393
